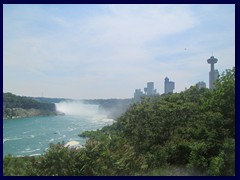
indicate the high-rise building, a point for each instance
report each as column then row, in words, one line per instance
column 138, row 94
column 149, row 90
column 213, row 74
column 201, row 84
column 169, row 86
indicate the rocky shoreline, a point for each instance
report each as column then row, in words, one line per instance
column 15, row 113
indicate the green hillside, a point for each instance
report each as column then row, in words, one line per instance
column 187, row 133
column 18, row 106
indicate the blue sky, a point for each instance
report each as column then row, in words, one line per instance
column 108, row 51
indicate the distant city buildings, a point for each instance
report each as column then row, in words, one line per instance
column 169, row 86
column 201, row 85
column 138, row 94
column 149, row 90
column 213, row 74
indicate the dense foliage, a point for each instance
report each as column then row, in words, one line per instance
column 19, row 106
column 187, row 133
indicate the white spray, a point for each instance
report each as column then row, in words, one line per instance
column 78, row 108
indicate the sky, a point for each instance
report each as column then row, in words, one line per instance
column 84, row 51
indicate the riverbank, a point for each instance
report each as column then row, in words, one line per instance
column 15, row 113
column 21, row 107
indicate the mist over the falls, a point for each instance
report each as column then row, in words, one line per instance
column 78, row 108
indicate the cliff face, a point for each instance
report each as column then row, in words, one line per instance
column 13, row 113
column 20, row 107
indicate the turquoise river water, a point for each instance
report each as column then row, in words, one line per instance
column 32, row 136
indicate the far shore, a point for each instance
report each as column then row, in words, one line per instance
column 39, row 115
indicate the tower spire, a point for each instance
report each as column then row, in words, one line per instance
column 213, row 74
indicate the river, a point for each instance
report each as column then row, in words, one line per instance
column 32, row 136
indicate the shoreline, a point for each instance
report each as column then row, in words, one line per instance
column 35, row 113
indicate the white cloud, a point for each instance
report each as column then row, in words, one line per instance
column 122, row 46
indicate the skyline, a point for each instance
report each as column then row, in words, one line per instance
column 108, row 51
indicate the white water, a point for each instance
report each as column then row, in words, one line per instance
column 78, row 108
column 31, row 136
